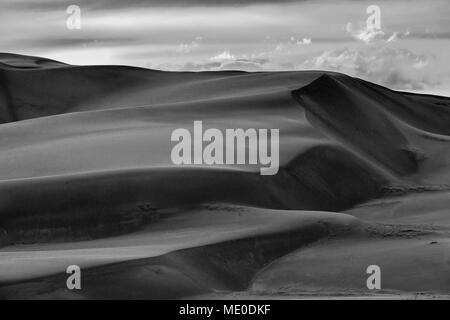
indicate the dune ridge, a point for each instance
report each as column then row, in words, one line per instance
column 85, row 155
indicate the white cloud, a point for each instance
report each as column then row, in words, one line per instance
column 393, row 37
column 223, row 57
column 365, row 34
column 222, row 61
column 306, row 41
column 292, row 43
column 396, row 68
column 228, row 61
column 188, row 47
column 246, row 65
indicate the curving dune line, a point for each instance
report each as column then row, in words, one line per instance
column 108, row 199
column 228, row 264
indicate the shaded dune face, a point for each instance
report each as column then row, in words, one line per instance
column 358, row 121
column 6, row 113
column 85, row 155
column 315, row 180
column 332, row 178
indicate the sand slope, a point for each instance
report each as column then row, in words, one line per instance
column 85, row 155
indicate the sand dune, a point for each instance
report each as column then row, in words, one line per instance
column 85, row 172
column 415, row 265
column 187, row 253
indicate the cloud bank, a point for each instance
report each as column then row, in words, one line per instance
column 396, row 68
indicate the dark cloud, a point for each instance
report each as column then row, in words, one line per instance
column 65, row 42
column 117, row 4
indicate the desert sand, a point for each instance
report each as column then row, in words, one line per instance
column 86, row 178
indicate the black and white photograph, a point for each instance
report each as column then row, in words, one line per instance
column 225, row 150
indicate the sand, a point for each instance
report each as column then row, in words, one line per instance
column 86, row 178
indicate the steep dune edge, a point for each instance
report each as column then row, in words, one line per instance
column 372, row 118
column 356, row 121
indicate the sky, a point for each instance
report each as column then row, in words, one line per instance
column 409, row 49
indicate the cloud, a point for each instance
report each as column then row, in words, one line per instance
column 380, row 61
column 369, row 34
column 188, row 47
column 393, row 37
column 373, row 35
column 376, row 59
column 120, row 4
column 224, row 56
column 396, row 68
column 224, row 60
column 306, row 41
column 364, row 34
column 247, row 65
column 292, row 43
column 228, row 61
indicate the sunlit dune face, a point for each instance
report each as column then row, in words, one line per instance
column 244, row 35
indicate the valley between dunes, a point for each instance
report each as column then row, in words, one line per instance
column 86, row 178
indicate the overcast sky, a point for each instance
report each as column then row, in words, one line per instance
column 410, row 52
